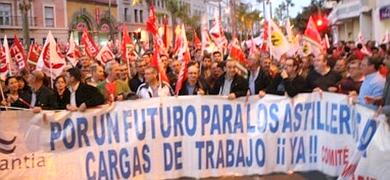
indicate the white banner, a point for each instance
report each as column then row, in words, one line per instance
column 189, row 136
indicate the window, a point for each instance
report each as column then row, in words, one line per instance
column 136, row 15
column 158, row 3
column 126, row 13
column 5, row 14
column 49, row 16
column 141, row 16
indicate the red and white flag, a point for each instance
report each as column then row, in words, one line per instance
column 236, row 52
column 158, row 45
column 207, row 44
column 217, row 34
column 89, row 44
column 17, row 54
column 127, row 46
column 105, row 55
column 73, row 53
column 33, row 54
column 312, row 38
column 50, row 61
column 264, row 37
column 185, row 57
column 197, row 42
column 5, row 59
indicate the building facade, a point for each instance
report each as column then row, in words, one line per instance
column 98, row 16
column 371, row 18
column 43, row 16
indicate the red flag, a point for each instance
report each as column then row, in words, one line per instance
column 184, row 57
column 264, row 37
column 197, row 42
column 217, row 34
column 178, row 40
column 33, row 54
column 236, row 52
column 155, row 62
column 151, row 22
column 253, row 49
column 105, row 55
column 17, row 53
column 90, row 46
column 312, row 31
column 127, row 46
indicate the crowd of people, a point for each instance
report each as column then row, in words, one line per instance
column 344, row 68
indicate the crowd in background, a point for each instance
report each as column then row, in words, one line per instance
column 344, row 68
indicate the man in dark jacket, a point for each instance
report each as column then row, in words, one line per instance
column 193, row 85
column 258, row 78
column 288, row 81
column 82, row 96
column 231, row 84
column 41, row 97
column 138, row 79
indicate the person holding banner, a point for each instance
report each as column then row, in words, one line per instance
column 322, row 77
column 82, row 96
column 373, row 84
column 258, row 78
column 14, row 96
column 288, row 81
column 41, row 97
column 62, row 93
column 193, row 85
column 153, row 87
column 231, row 84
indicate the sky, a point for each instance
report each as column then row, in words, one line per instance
column 298, row 5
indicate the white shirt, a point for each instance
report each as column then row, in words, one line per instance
column 73, row 94
column 225, row 91
column 252, row 79
column 33, row 99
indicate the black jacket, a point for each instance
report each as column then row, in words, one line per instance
column 45, row 98
column 262, row 81
column 134, row 83
column 199, row 85
column 239, row 86
column 63, row 100
column 89, row 95
column 292, row 87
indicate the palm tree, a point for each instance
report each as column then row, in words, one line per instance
column 288, row 5
column 246, row 18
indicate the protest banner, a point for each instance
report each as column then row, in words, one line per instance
column 188, row 136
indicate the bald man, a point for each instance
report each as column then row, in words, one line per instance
column 41, row 97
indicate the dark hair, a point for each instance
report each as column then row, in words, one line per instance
column 295, row 61
column 57, row 78
column 359, row 46
column 9, row 79
column 206, row 56
column 376, row 61
column 75, row 73
column 217, row 52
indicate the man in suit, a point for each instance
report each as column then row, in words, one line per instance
column 82, row 96
column 193, row 85
column 258, row 78
column 231, row 84
column 41, row 97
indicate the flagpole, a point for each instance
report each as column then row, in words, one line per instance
column 2, row 95
column 128, row 67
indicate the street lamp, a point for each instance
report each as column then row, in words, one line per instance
column 25, row 6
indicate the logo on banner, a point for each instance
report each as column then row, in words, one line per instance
column 5, row 146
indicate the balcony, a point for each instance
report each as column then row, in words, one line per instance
column 12, row 21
